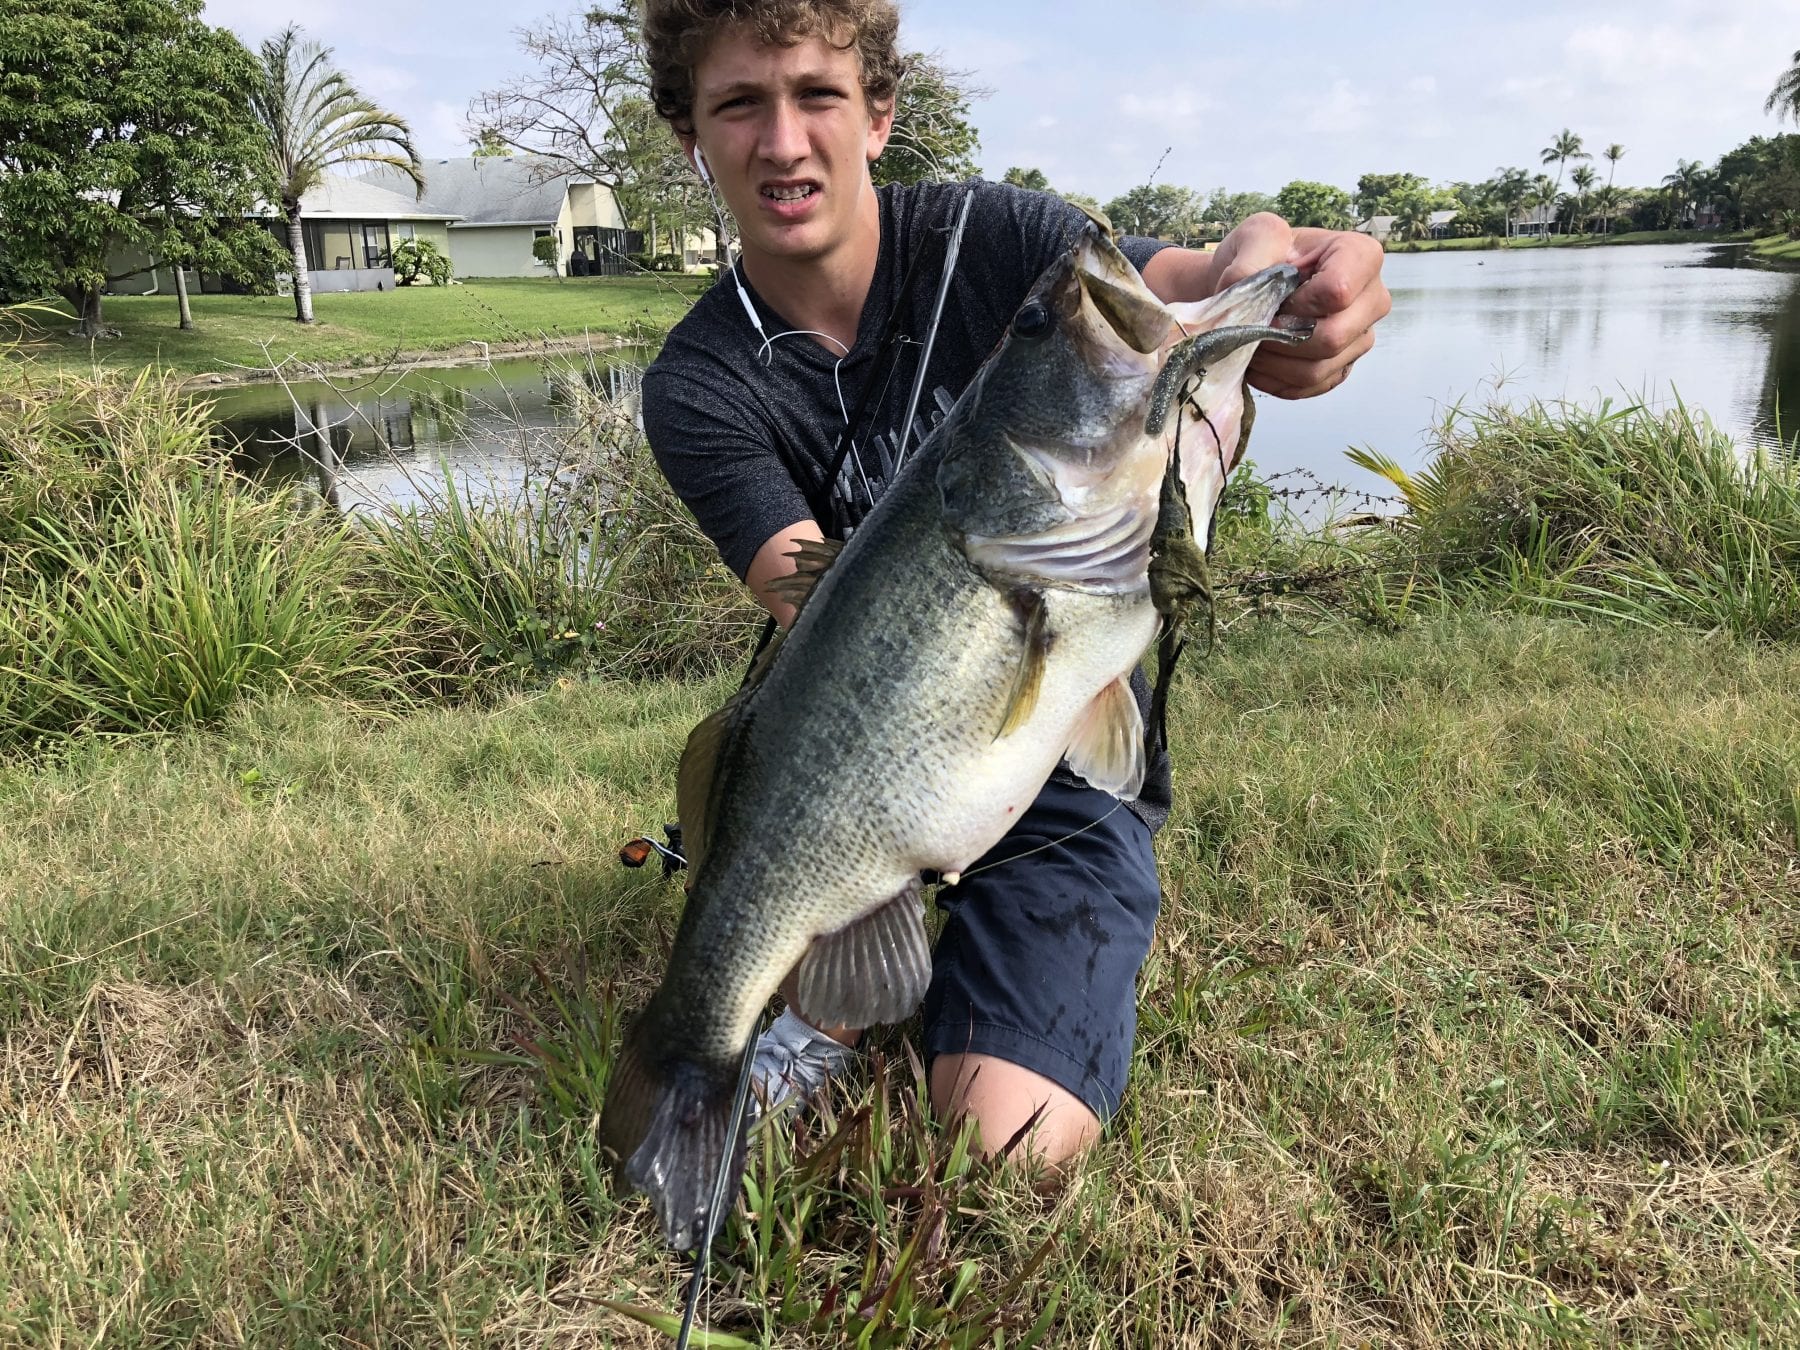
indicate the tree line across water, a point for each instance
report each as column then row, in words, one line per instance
column 1755, row 186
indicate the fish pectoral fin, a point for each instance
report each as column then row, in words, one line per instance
column 1107, row 748
column 812, row 560
column 1028, row 680
column 874, row 969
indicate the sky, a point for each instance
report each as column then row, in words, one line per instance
column 1242, row 94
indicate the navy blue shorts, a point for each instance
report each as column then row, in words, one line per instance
column 1038, row 960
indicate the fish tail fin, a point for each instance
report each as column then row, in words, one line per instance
column 665, row 1125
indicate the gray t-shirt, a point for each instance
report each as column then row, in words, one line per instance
column 745, row 431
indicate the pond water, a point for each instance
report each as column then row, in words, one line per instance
column 1655, row 322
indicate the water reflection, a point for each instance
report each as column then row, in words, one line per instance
column 1653, row 322
column 391, row 439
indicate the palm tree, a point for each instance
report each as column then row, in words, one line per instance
column 316, row 121
column 1683, row 184
column 1510, row 189
column 1784, row 99
column 1584, row 178
column 1565, row 147
column 1614, row 153
column 1606, row 201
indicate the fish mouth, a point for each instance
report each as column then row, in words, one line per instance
column 1252, row 302
column 1112, row 289
column 1214, row 339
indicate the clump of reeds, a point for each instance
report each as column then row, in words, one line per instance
column 142, row 582
column 1622, row 513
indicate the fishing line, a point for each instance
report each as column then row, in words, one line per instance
column 1014, row 857
column 734, row 1126
column 931, row 331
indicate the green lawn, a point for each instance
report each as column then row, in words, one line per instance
column 1778, row 246
column 231, row 331
column 1473, row 1018
column 1574, row 241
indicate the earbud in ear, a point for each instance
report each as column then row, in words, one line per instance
column 700, row 165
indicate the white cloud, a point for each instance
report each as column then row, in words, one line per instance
column 1168, row 106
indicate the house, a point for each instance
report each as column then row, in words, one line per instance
column 499, row 204
column 347, row 228
column 1380, row 227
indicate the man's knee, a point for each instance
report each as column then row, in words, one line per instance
column 1003, row 1098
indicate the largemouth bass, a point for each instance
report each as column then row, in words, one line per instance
column 980, row 626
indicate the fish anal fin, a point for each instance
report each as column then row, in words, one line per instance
column 812, row 560
column 1107, row 748
column 872, row 970
column 1028, row 679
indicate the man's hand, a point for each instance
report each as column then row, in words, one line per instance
column 1343, row 293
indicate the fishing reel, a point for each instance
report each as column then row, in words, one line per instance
column 637, row 852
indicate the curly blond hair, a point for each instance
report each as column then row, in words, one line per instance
column 678, row 32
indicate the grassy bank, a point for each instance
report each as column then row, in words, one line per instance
column 1473, row 1016
column 231, row 331
column 1471, row 1019
column 1778, row 246
column 1571, row 241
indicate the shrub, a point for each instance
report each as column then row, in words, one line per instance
column 415, row 258
column 544, row 249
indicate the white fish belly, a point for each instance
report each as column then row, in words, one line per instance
column 959, row 813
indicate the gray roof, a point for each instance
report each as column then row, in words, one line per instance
column 360, row 199
column 489, row 189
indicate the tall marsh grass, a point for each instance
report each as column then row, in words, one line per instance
column 1622, row 513
column 145, row 583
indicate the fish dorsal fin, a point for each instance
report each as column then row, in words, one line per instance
column 871, row 970
column 1022, row 699
column 1107, row 748
column 812, row 560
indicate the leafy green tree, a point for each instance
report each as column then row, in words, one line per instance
column 488, row 145
column 1230, row 209
column 1565, row 147
column 1032, row 179
column 1160, row 212
column 1784, row 98
column 415, row 258
column 1612, row 154
column 1510, row 188
column 121, row 126
column 933, row 139
column 316, row 121
column 1315, row 204
column 1374, row 191
column 1606, row 203
column 1411, row 207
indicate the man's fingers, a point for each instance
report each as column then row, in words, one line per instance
column 1334, row 334
column 1277, row 372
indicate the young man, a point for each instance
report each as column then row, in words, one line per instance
column 782, row 105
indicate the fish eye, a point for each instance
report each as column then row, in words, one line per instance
column 1033, row 321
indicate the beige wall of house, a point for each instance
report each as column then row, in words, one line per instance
column 437, row 231
column 495, row 251
column 588, row 204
